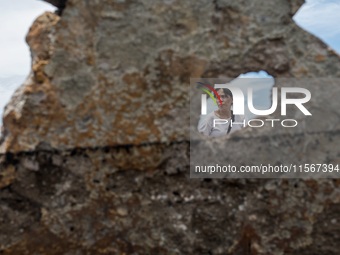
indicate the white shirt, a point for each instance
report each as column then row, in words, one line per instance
column 206, row 124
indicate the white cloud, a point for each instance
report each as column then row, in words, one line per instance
column 15, row 19
column 320, row 18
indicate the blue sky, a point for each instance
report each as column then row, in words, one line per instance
column 321, row 18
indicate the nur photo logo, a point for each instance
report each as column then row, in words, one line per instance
column 230, row 102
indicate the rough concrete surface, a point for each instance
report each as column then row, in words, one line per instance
column 95, row 144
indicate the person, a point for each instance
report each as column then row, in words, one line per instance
column 223, row 117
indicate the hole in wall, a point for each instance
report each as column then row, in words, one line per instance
column 261, row 82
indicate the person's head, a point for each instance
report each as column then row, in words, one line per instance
column 226, row 97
